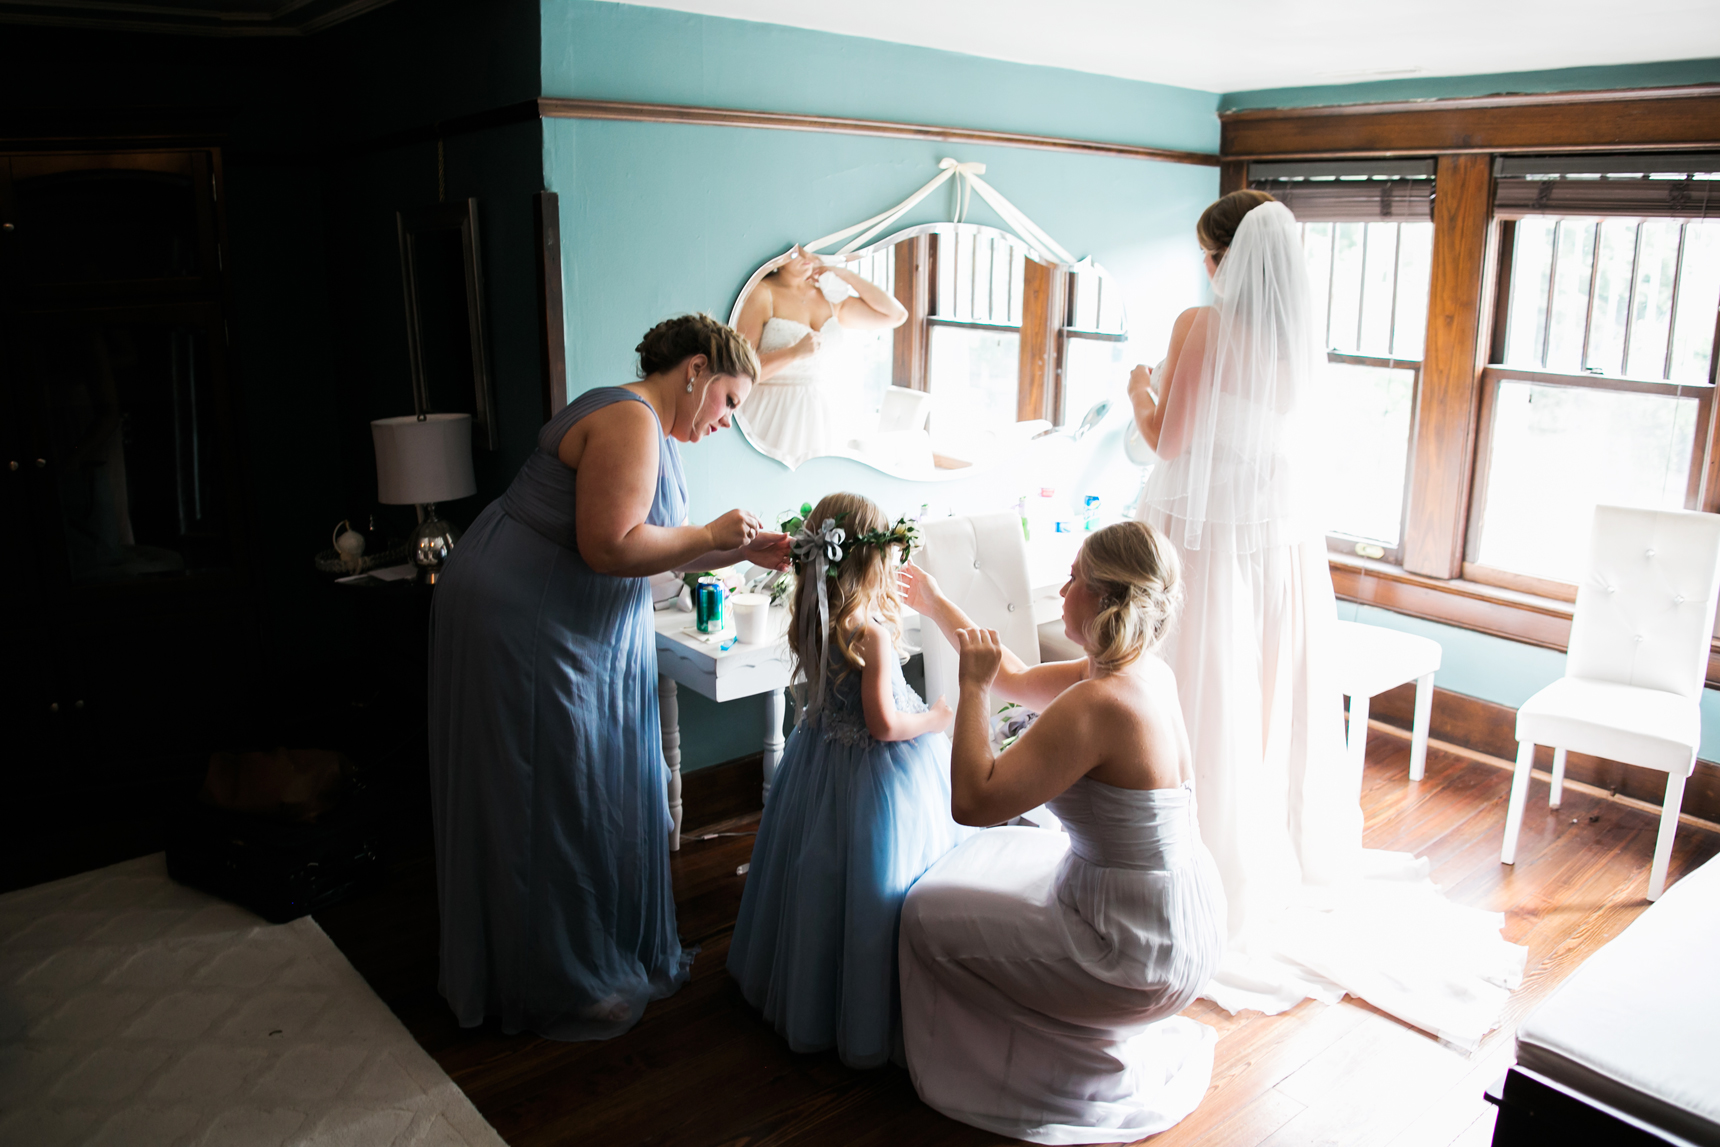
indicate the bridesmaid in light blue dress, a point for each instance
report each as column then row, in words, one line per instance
column 547, row 779
column 859, row 809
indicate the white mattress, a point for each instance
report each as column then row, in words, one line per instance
column 1637, row 1027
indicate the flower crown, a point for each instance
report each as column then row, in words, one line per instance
column 832, row 542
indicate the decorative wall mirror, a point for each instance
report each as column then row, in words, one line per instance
column 934, row 350
column 443, row 280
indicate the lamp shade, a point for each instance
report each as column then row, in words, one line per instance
column 423, row 460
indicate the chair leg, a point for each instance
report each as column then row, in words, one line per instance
column 1668, row 829
column 1557, row 792
column 1358, row 738
column 1418, row 731
column 1519, row 797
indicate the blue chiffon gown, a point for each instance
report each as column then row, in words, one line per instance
column 851, row 824
column 547, row 778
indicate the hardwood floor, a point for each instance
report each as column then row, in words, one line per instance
column 702, row 1069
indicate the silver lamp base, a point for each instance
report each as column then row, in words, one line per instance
column 430, row 545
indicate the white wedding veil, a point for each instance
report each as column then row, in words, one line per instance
column 1229, row 476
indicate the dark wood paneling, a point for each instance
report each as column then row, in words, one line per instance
column 719, row 793
column 1042, row 305
column 552, row 338
column 1450, row 385
column 1232, row 176
column 1576, row 121
column 1490, row 728
column 552, row 108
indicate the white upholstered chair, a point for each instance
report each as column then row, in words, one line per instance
column 1371, row 659
column 980, row 562
column 1638, row 658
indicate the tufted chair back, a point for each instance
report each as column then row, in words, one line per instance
column 981, row 564
column 1645, row 607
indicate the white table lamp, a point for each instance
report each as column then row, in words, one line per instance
column 422, row 460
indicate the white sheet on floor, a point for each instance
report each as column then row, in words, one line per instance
column 136, row 1011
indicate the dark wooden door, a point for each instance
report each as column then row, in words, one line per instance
column 126, row 602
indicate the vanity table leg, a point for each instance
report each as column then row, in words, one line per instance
column 774, row 708
column 669, row 713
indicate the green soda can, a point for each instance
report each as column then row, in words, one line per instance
column 709, row 603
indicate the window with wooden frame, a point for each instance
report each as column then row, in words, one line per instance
column 1367, row 233
column 1599, row 387
column 1093, row 344
column 989, row 326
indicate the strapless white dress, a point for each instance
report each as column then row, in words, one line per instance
column 792, row 415
column 1042, row 973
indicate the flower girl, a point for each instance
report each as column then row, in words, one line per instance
column 860, row 806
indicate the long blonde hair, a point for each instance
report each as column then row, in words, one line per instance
column 1138, row 578
column 861, row 585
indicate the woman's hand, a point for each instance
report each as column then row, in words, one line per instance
column 1141, row 386
column 919, row 589
column 806, row 347
column 768, row 550
column 981, row 657
column 733, row 530
column 942, row 716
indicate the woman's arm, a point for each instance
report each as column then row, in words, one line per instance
column 615, row 482
column 871, row 309
column 1054, row 752
column 1033, row 686
column 769, row 550
column 1150, row 409
column 883, row 720
column 755, row 312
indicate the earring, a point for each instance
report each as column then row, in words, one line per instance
column 689, row 386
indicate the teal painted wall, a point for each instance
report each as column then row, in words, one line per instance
column 1665, row 74
column 663, row 218
column 626, row 52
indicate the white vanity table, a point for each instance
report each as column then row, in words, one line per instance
column 721, row 675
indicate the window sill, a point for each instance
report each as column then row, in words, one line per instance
column 1494, row 610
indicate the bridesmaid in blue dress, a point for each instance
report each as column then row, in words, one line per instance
column 860, row 807
column 546, row 767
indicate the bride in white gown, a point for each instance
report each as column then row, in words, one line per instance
column 1041, row 973
column 795, row 318
column 1311, row 912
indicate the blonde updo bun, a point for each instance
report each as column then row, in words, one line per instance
column 1138, row 578
column 674, row 341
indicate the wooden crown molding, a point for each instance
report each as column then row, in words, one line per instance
column 558, row 108
column 1651, row 119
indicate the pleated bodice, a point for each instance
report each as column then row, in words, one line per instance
column 1150, row 830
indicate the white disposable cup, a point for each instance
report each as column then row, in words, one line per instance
column 752, row 617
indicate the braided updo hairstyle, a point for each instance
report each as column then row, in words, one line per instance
column 1138, row 578
column 674, row 341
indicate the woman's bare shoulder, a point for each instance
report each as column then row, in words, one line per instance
column 1189, row 317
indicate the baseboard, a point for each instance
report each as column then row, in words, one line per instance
column 718, row 793
column 1490, row 729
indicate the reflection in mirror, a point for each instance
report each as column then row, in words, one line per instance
column 136, row 446
column 815, row 325
column 933, row 350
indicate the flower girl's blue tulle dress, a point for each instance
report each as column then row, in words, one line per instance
column 851, row 823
